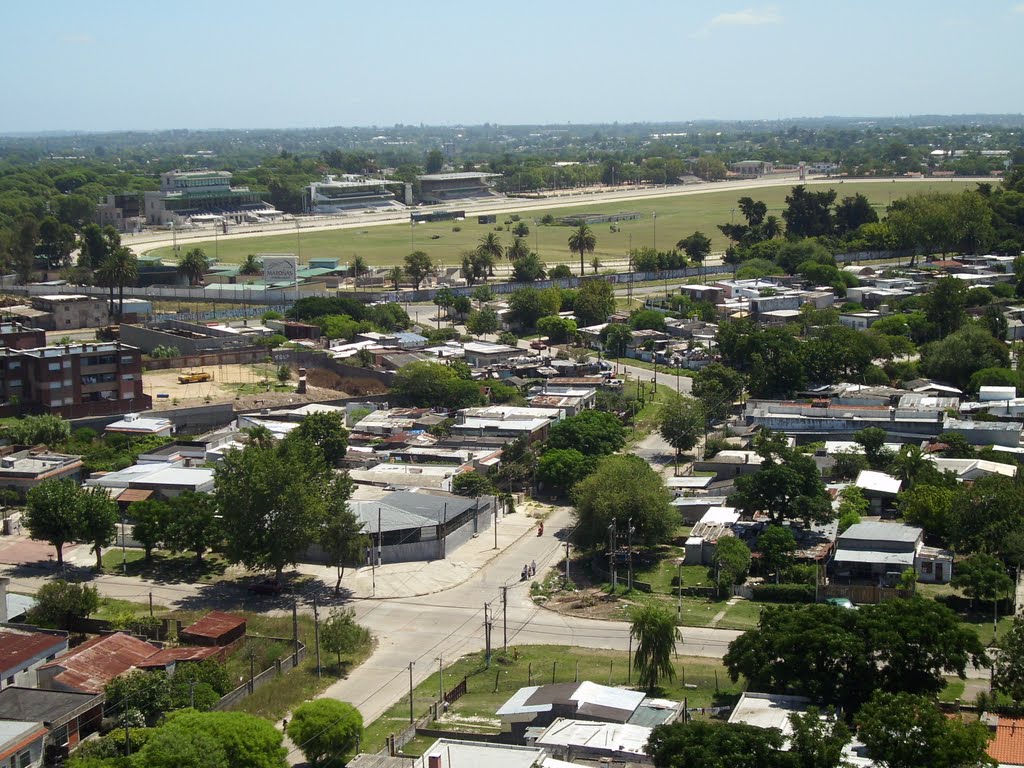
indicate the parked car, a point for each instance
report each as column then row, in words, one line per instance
column 538, row 344
column 268, row 587
column 841, row 602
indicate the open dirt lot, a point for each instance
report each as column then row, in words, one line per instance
column 239, row 384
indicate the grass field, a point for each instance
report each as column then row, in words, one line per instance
column 677, row 218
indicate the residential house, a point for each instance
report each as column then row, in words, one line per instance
column 703, row 539
column 880, row 552
column 90, row 666
column 506, row 421
column 23, row 650
column 21, row 743
column 67, row 716
column 135, row 425
column 879, row 489
column 596, row 742
column 23, row 470
column 216, row 629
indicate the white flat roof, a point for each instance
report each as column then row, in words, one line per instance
column 455, row 754
column 601, row 737
column 879, row 482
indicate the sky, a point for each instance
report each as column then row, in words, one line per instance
column 113, row 65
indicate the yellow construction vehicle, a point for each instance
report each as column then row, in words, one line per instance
column 195, row 377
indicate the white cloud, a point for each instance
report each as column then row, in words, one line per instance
column 748, row 17
column 1018, row 8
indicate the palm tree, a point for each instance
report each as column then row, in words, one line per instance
column 596, row 264
column 395, row 276
column 251, row 265
column 120, row 268
column 654, row 629
column 908, row 464
column 359, row 267
column 582, row 241
column 517, row 250
column 490, row 246
column 193, row 265
column 771, row 228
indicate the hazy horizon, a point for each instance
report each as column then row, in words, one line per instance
column 247, row 66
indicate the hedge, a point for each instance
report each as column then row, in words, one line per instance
column 784, row 593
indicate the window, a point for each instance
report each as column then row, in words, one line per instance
column 54, row 366
column 24, row 759
column 10, row 680
column 926, row 566
column 127, row 359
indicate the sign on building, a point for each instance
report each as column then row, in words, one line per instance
column 279, row 268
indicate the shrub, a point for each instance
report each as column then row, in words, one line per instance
column 784, row 593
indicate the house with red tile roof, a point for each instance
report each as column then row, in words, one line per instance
column 90, row 666
column 1007, row 746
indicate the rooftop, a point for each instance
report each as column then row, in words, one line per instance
column 879, row 482
column 215, row 624
column 455, row 753
column 96, row 662
column 17, row 703
column 14, row 734
column 591, row 699
column 611, row 738
column 880, row 532
column 19, row 648
column 1007, row 746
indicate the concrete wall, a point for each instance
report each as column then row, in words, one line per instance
column 160, row 334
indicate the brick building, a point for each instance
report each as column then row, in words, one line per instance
column 74, row 380
column 18, row 336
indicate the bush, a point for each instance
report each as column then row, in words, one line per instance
column 784, row 593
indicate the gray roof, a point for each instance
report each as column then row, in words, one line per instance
column 880, row 532
column 18, row 703
column 402, row 510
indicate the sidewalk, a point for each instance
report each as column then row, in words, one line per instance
column 416, row 579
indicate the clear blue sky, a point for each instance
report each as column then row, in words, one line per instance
column 107, row 64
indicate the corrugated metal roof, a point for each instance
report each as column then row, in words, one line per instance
column 93, row 664
column 215, row 624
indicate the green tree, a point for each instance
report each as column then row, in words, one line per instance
column 1008, row 664
column 118, row 269
column 144, row 695
column 681, row 422
column 730, row 565
column 647, row 319
column 960, row 355
column 341, row 635
column 284, row 373
column 444, row 299
column 852, row 213
column 787, row 486
column 52, row 514
column 558, row 330
column 483, row 294
column 945, row 305
column 273, row 502
column 395, row 275
column 472, row 484
column 528, row 305
column 562, row 468
column 491, row 249
column 582, row 241
column 653, row 627
column 341, row 538
column 717, row 387
column 96, row 521
column 591, row 432
column 817, row 739
column 714, row 744
column 529, row 268
column 193, row 524
column 909, row 464
column 622, row 488
column 872, row 440
column 986, row 515
column 325, row 729
column 193, row 265
column 483, row 322
column 359, row 267
column 418, row 267
column 808, row 214
column 150, row 523
column 59, row 602
column 901, row 730
column 48, row 429
column 250, row 265
column 326, row 430
column 435, row 161
column 190, row 739
column 697, row 247
column 425, row 384
column 776, row 545
column 982, row 577
column 930, row 507
column 594, row 303
column 616, row 339
column 852, row 507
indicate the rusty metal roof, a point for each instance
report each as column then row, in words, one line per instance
column 215, row 624
column 18, row 648
column 96, row 662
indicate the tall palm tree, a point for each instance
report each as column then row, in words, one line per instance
column 771, row 228
column 654, row 629
column 359, row 267
column 517, row 250
column 908, row 464
column 250, row 266
column 395, row 276
column 582, row 241
column 120, row 268
column 490, row 245
column 193, row 265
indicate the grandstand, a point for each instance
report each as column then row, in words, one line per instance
column 574, row 220
column 444, row 187
column 350, row 192
column 197, row 197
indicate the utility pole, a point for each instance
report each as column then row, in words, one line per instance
column 487, row 637
column 504, row 618
column 612, row 539
column 316, row 635
column 440, row 680
column 495, row 522
column 192, row 693
column 629, row 544
column 411, row 665
column 567, row 562
column 295, row 633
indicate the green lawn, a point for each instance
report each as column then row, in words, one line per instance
column 165, row 566
column 487, row 689
column 677, row 218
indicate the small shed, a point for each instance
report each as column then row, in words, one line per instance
column 214, row 629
